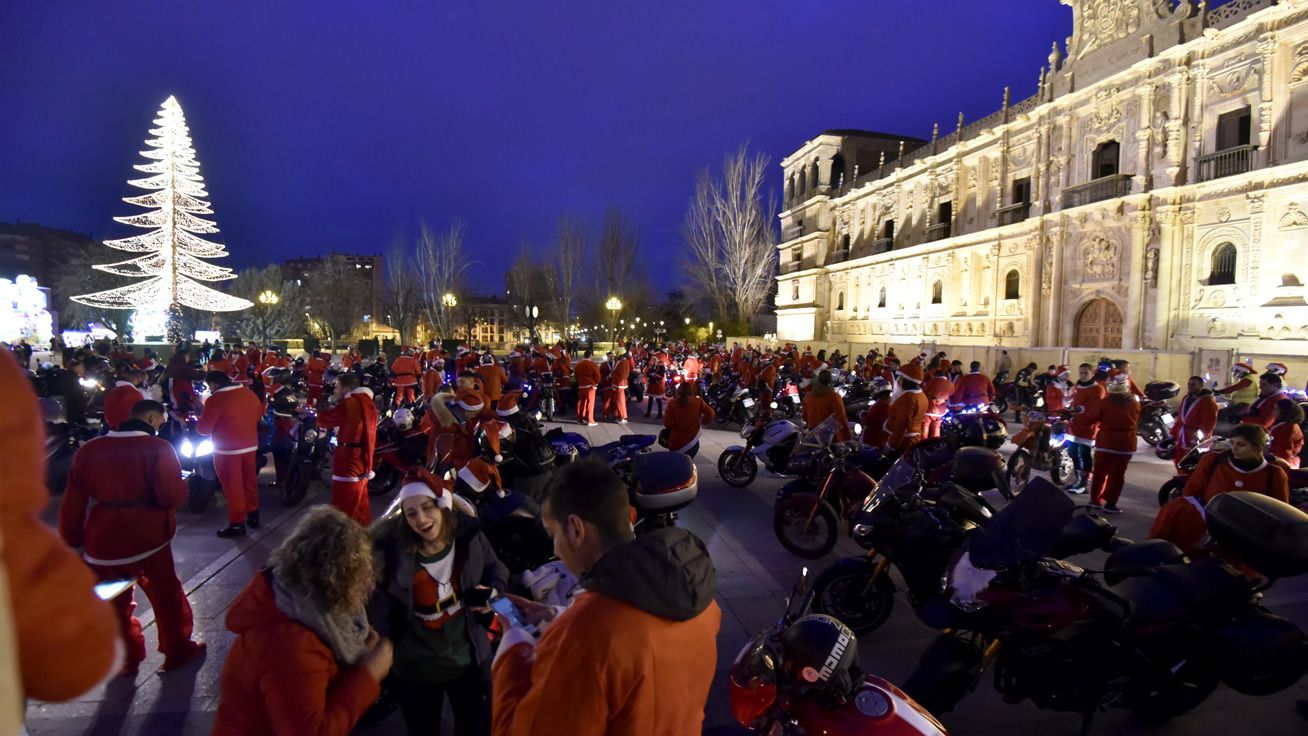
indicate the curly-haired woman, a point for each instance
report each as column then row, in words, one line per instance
column 305, row 660
column 435, row 569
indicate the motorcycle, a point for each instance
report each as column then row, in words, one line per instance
column 659, row 484
column 766, row 698
column 1156, row 418
column 1005, row 392
column 974, row 426
column 196, row 455
column 768, row 440
column 548, row 397
column 309, row 458
column 1041, row 445
column 918, row 528
column 395, row 453
column 62, row 441
column 1154, row 633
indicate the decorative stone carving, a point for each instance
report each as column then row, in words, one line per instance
column 1223, row 214
column 1233, row 82
column 1099, row 257
column 1294, row 218
column 1106, row 112
column 1151, row 267
column 1217, row 298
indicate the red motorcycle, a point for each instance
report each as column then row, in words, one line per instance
column 799, row 677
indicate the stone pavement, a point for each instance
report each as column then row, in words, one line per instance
column 754, row 575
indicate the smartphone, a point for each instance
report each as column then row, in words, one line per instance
column 476, row 598
column 504, row 607
column 111, row 589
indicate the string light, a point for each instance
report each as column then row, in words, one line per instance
column 173, row 247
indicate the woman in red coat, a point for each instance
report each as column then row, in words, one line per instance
column 1286, row 435
column 1243, row 468
column 305, row 660
column 1117, row 415
column 685, row 415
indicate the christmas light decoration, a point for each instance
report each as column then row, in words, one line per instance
column 173, row 247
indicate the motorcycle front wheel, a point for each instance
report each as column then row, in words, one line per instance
column 297, row 484
column 854, row 598
column 199, row 493
column 1153, row 435
column 806, row 525
column 1061, row 468
column 383, row 480
column 1019, row 472
column 737, row 468
column 1171, row 489
column 1180, row 692
column 947, row 672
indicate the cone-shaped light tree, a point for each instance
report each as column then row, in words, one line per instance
column 173, row 251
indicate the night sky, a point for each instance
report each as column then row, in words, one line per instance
column 339, row 124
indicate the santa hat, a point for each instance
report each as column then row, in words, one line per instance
column 418, row 482
column 508, row 405
column 1278, row 368
column 469, row 400
column 495, row 431
column 1119, row 384
column 912, row 372
column 1061, row 371
column 478, row 474
column 1244, row 366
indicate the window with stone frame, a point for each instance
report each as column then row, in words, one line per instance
column 1222, row 272
column 1013, row 285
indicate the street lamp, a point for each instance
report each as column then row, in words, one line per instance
column 268, row 298
column 448, row 303
column 614, row 305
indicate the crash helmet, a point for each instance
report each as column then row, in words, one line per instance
column 1277, row 368
column 879, row 385
column 819, row 652
column 977, row 468
column 403, row 418
column 1119, row 384
column 299, row 361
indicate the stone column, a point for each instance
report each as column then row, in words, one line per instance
column 1164, row 290
column 1132, row 270
column 1267, row 49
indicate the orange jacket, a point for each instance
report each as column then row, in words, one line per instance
column 1287, row 442
column 588, row 374
column 281, row 679
column 818, row 408
column 1180, row 523
column 432, row 380
column 768, row 375
column 907, row 420
column 683, row 422
column 493, row 379
column 231, row 416
column 1055, row 398
column 313, row 371
column 1117, row 416
column 621, row 372
column 356, row 418
column 406, row 371
column 938, row 389
column 1080, row 426
column 65, row 636
column 1196, row 414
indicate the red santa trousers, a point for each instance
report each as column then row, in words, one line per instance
column 172, row 612
column 405, row 394
column 586, row 405
column 1108, row 477
column 237, row 474
column 620, row 403
column 351, row 497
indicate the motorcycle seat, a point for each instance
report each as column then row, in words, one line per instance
column 638, row 441
column 1172, row 592
column 664, row 481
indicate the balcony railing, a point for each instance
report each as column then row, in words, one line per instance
column 1013, row 213
column 939, row 231
column 1232, row 161
column 838, row 256
column 791, row 266
column 1105, row 187
column 880, row 245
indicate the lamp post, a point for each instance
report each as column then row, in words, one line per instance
column 267, row 300
column 614, row 305
column 448, row 303
column 531, row 313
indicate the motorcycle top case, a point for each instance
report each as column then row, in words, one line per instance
column 1161, row 390
column 1269, row 535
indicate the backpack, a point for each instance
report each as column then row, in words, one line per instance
column 534, row 451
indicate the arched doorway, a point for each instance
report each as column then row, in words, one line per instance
column 1098, row 325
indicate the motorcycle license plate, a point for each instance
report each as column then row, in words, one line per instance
column 747, row 403
column 794, row 398
column 1168, row 420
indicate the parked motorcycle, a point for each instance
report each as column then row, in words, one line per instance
column 1042, row 445
column 196, row 455
column 310, row 457
column 768, row 440
column 1155, row 633
column 800, row 677
column 1156, row 417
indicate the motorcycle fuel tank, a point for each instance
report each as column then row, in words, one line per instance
column 876, row 707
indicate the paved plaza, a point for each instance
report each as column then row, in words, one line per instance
column 754, row 574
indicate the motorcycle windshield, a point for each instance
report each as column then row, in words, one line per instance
column 753, row 685
column 1027, row 529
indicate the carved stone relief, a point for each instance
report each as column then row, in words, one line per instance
column 1234, row 82
column 1099, row 259
column 1151, row 267
column 1223, row 214
column 1106, row 113
column 1294, row 218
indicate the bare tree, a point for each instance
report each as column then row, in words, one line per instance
column 80, row 278
column 339, row 299
column 440, row 264
column 732, row 247
column 569, row 258
column 281, row 315
column 615, row 257
column 402, row 299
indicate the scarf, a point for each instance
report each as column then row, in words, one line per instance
column 343, row 631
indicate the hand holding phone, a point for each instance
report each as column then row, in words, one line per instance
column 505, row 609
column 111, row 589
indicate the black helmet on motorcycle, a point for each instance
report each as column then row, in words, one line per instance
column 820, row 652
column 932, row 453
column 1165, row 450
column 977, row 469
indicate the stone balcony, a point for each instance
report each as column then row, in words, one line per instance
column 1105, row 187
column 1232, row 161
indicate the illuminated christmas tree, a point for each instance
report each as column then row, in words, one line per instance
column 172, row 264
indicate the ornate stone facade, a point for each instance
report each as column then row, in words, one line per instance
column 1152, row 195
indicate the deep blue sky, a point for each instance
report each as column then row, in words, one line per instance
column 336, row 124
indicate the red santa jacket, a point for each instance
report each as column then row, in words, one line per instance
column 588, row 374
column 1082, row 428
column 621, row 372
column 1263, row 410
column 122, row 491
column 118, row 403
column 1117, row 416
column 224, row 365
column 313, row 371
column 1196, row 414
column 1287, row 442
column 906, row 420
column 231, row 416
column 874, row 424
column 493, row 379
column 692, row 367
column 974, row 389
column 355, row 419
column 406, row 371
column 1055, row 399
column 938, row 389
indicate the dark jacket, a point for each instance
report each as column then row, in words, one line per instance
column 475, row 563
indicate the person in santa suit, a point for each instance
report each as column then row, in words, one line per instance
column 875, row 417
column 149, row 361
column 313, row 372
column 285, row 408
column 406, row 372
column 540, row 365
column 907, row 420
column 619, row 375
column 120, row 399
column 180, row 376
column 655, row 387
column 1242, row 468
column 349, row 358
column 1263, row 409
column 1123, row 368
column 493, row 377
column 937, row 389
column 588, row 378
column 1286, row 434
column 822, row 403
column 353, row 413
column 123, row 491
column 973, row 388
column 687, row 414
column 1195, row 419
column 1081, row 430
column 220, row 362
column 1056, row 391
column 452, row 426
column 242, row 367
column 433, row 378
column 231, row 416
column 1117, row 415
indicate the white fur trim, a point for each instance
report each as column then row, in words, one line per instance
column 472, row 480
column 414, row 490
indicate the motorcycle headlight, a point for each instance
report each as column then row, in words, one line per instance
column 186, row 449
column 205, row 448
column 310, row 435
column 88, row 382
column 858, row 428
column 773, row 405
column 1057, row 440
